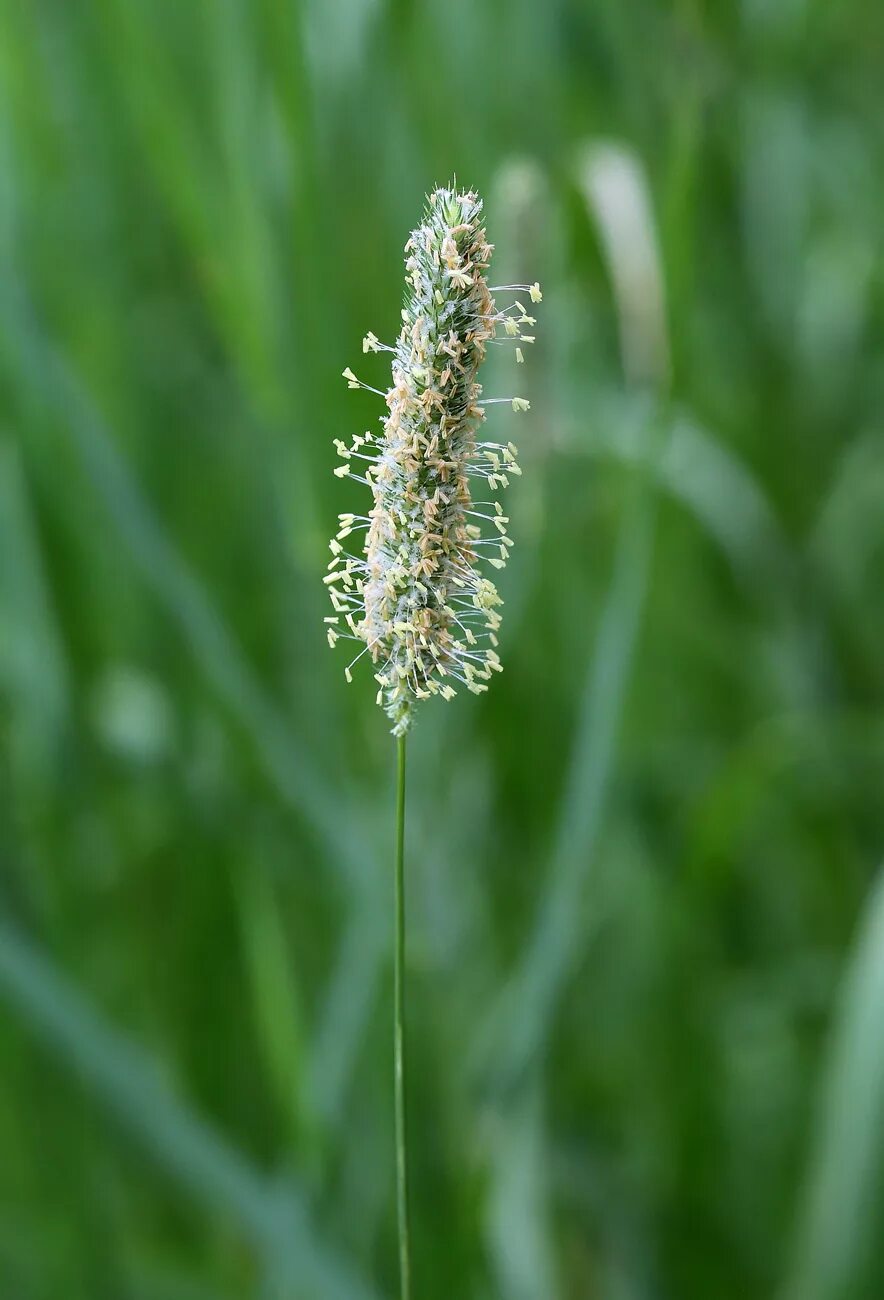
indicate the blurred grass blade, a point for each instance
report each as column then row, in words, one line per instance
column 33, row 667
column 273, row 1217
column 726, row 499
column 291, row 768
column 848, row 531
column 842, row 1212
column 517, row 1233
column 698, row 470
column 363, row 951
column 616, row 192
column 276, row 1001
column 524, row 218
column 530, row 998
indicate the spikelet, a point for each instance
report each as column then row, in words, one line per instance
column 416, row 595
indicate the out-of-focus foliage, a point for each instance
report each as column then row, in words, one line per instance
column 645, row 966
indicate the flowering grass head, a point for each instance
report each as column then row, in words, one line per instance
column 418, row 594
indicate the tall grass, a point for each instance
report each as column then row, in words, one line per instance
column 639, row 1015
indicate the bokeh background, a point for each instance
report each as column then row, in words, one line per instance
column 646, row 967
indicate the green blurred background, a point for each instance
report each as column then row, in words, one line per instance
column 646, row 941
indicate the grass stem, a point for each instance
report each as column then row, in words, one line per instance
column 399, row 1031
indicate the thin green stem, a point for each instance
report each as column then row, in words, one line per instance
column 399, row 1032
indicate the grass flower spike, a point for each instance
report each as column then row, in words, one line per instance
column 418, row 594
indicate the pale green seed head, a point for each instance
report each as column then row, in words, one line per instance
column 416, row 595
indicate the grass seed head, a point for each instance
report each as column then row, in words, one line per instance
column 416, row 594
